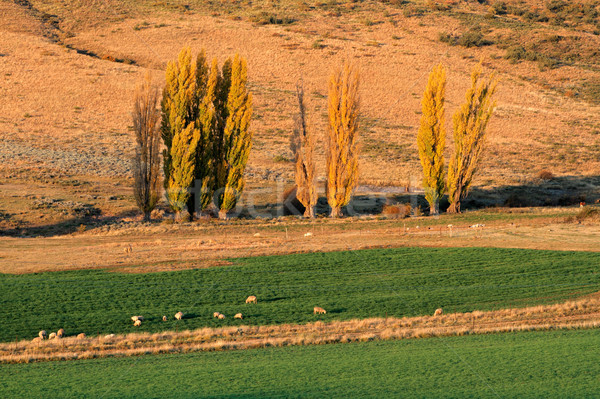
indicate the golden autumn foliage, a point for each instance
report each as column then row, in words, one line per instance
column 237, row 136
column 178, row 130
column 342, row 150
column 431, row 139
column 206, row 118
column 470, row 123
column 303, row 146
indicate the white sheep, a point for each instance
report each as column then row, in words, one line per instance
column 136, row 318
column 438, row 312
column 309, row 234
column 179, row 315
column 221, row 316
column 60, row 333
column 319, row 310
column 238, row 316
column 137, row 323
column 216, row 314
column 52, row 336
column 42, row 334
column 164, row 318
column 251, row 299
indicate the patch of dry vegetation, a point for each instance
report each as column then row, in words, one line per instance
column 583, row 313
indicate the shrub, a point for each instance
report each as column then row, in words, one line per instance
column 397, row 210
column 545, row 175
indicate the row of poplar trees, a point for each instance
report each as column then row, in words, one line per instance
column 205, row 119
column 469, row 128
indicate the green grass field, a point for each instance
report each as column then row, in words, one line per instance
column 358, row 284
column 554, row 364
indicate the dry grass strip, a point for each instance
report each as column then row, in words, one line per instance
column 584, row 313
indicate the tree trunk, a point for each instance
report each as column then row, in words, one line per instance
column 309, row 212
column 147, row 216
column 223, row 214
column 454, row 207
column 336, row 212
column 434, row 208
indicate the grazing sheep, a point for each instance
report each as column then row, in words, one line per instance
column 164, row 318
column 238, row 316
column 136, row 318
column 179, row 315
column 60, row 333
column 251, row 299
column 319, row 310
column 42, row 334
column 216, row 314
column 309, row 234
column 52, row 336
column 137, row 323
column 81, row 336
column 438, row 312
column 221, row 316
column 109, row 336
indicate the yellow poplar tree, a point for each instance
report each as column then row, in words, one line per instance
column 207, row 85
column 470, row 123
column 342, row 152
column 237, row 136
column 178, row 130
column 303, row 146
column 431, row 138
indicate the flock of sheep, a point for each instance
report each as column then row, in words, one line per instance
column 137, row 320
column 42, row 335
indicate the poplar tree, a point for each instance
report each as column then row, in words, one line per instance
column 431, row 139
column 470, row 123
column 342, row 151
column 207, row 80
column 302, row 146
column 146, row 163
column 236, row 135
column 178, row 130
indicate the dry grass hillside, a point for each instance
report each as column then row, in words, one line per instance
column 69, row 68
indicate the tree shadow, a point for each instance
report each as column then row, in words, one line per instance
column 557, row 191
column 67, row 226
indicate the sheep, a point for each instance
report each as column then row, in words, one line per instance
column 251, row 299
column 137, row 323
column 42, row 334
column 164, row 318
column 136, row 318
column 81, row 336
column 109, row 336
column 60, row 333
column 179, row 315
column 238, row 316
column 216, row 314
column 221, row 316
column 438, row 312
column 52, row 336
column 319, row 310
column 309, row 234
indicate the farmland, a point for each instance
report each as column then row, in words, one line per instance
column 520, row 365
column 352, row 284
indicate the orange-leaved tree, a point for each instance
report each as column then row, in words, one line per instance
column 342, row 149
column 470, row 124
